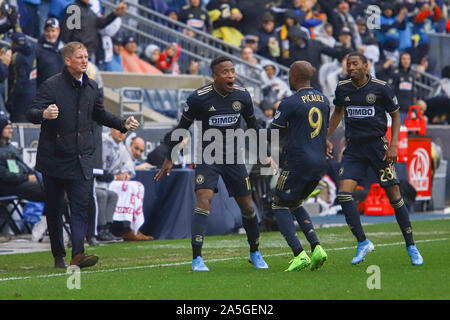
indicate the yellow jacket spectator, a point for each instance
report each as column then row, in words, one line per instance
column 225, row 17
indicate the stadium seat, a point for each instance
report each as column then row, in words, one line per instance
column 8, row 206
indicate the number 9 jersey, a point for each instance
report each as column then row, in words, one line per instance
column 305, row 116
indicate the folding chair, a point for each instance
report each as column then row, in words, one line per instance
column 16, row 204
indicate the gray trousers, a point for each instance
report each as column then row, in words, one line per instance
column 106, row 202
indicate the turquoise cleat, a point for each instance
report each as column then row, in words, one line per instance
column 416, row 258
column 363, row 248
column 199, row 265
column 257, row 260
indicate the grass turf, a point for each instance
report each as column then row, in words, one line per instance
column 162, row 270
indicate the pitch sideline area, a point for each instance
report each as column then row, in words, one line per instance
column 161, row 269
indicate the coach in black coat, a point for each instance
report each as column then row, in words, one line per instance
column 66, row 106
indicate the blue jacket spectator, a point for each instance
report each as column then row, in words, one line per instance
column 21, row 79
column 29, row 17
column 394, row 28
column 57, row 8
column 48, row 52
column 116, row 65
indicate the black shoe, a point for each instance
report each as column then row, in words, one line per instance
column 60, row 263
column 114, row 238
column 93, row 242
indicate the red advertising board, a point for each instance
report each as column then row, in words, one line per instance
column 419, row 166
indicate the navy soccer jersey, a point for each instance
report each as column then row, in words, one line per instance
column 221, row 112
column 218, row 111
column 365, row 107
column 305, row 116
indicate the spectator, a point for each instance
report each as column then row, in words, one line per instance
column 308, row 17
column 252, row 15
column 57, row 8
column 157, row 156
column 424, row 22
column 389, row 58
column 116, row 64
column 403, row 84
column 268, row 45
column 339, row 16
column 268, row 111
column 325, row 35
column 394, row 28
column 106, row 205
column 8, row 16
column 128, row 215
column 48, row 52
column 16, row 178
column 345, row 39
column 195, row 16
column 131, row 61
column 105, row 53
column 29, row 17
column 91, row 24
column 438, row 110
column 274, row 89
column 151, row 54
column 302, row 48
column 251, row 42
column 136, row 147
column 168, row 59
column 290, row 20
column 21, row 79
column 249, row 72
column 366, row 35
column 225, row 17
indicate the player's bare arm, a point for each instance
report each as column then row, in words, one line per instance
column 391, row 153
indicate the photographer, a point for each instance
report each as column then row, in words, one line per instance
column 8, row 17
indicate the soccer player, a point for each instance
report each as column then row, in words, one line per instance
column 303, row 117
column 365, row 100
column 219, row 105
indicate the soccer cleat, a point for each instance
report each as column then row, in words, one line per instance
column 199, row 265
column 414, row 253
column 299, row 262
column 257, row 260
column 318, row 258
column 363, row 248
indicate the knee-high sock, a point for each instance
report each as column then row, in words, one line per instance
column 198, row 230
column 250, row 224
column 345, row 199
column 287, row 229
column 305, row 223
column 402, row 216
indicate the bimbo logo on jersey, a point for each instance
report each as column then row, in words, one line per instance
column 360, row 112
column 224, row 120
column 418, row 170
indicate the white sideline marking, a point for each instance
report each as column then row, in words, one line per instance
column 208, row 261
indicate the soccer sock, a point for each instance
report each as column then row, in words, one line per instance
column 305, row 223
column 198, row 230
column 402, row 216
column 250, row 224
column 287, row 228
column 345, row 199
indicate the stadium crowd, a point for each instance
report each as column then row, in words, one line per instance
column 270, row 33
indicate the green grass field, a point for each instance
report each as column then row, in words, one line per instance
column 161, row 269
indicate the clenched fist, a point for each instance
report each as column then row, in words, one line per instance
column 51, row 112
column 131, row 124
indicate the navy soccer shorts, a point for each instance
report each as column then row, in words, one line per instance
column 359, row 156
column 234, row 176
column 292, row 186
